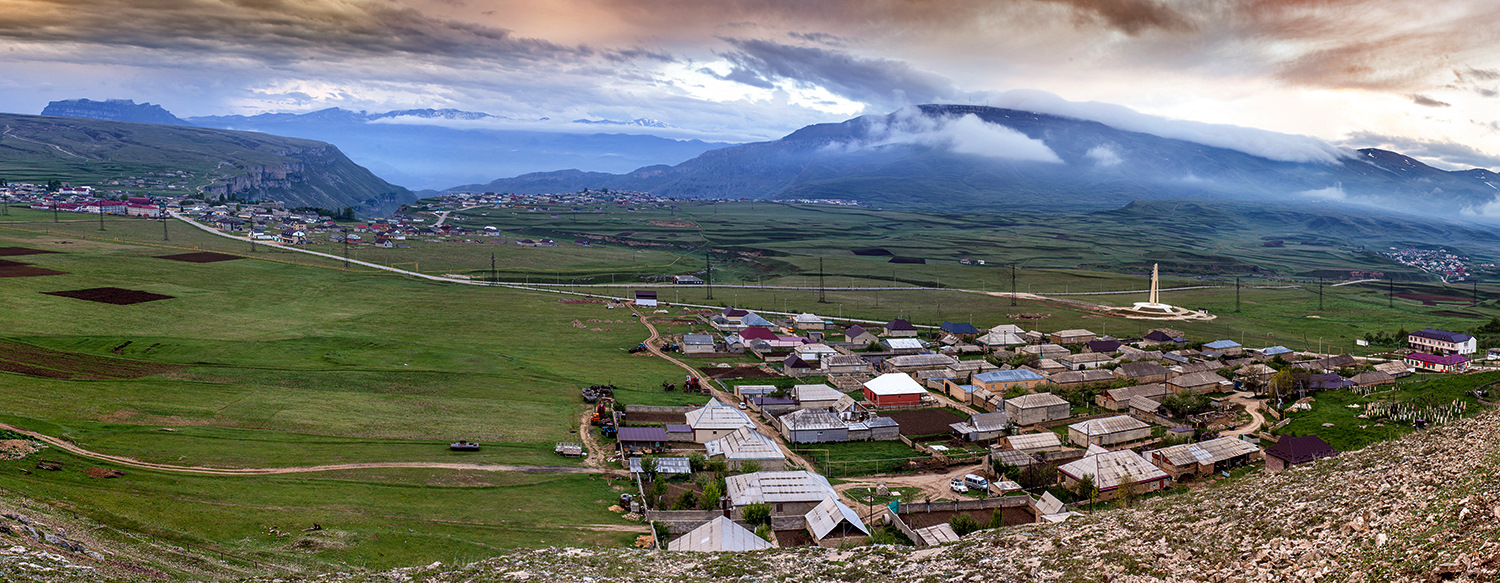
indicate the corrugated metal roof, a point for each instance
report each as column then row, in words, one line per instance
column 1107, row 468
column 717, row 415
column 719, row 535
column 894, row 383
column 664, row 465
column 1036, row 400
column 1008, row 376
column 772, row 487
column 745, row 444
column 829, row 514
column 1108, row 425
column 938, row 534
column 642, row 434
column 811, row 420
column 818, row 392
column 1030, row 441
column 1207, row 452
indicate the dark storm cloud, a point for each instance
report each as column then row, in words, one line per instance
column 1132, row 17
column 822, row 38
column 1449, row 153
column 881, row 82
column 271, row 30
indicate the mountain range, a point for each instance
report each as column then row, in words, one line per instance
column 994, row 159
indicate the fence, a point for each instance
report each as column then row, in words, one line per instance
column 966, row 504
column 681, row 521
column 656, row 409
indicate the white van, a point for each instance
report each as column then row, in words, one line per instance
column 976, row 483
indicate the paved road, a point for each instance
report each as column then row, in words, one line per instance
column 135, row 463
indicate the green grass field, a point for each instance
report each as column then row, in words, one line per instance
column 1349, row 432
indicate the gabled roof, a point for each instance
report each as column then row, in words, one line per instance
column 1134, row 370
column 903, row 343
column 959, row 328
column 757, row 333
column 1329, row 381
column 698, row 339
column 1442, row 335
column 899, row 324
column 642, row 434
column 1108, row 467
column 1043, row 440
column 1274, row 350
column 1123, row 395
column 753, row 319
column 894, row 383
column 744, row 444
column 1081, row 376
column 1221, row 344
column 855, row 331
column 1197, row 379
column 1108, row 425
column 983, row 423
column 929, row 360
column 1008, row 376
column 773, row 487
column 717, row 415
column 795, row 361
column 818, row 392
column 1297, row 450
column 1036, row 400
column 664, row 465
column 1207, row 452
column 811, row 420
column 829, row 514
column 1446, row 359
column 719, row 535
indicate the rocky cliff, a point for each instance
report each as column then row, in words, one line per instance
column 1424, row 508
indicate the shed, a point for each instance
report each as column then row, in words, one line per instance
column 1199, row 383
column 715, row 420
column 746, row 445
column 883, row 428
column 636, row 439
column 645, row 298
column 982, row 427
column 1142, row 372
column 812, row 426
column 664, row 465
column 998, row 381
column 1203, row 458
column 1119, row 399
column 1035, row 442
column 1372, row 378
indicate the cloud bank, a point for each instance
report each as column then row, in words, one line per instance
column 962, row 135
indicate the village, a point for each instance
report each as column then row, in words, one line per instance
column 1000, row 426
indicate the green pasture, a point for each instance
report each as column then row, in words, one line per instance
column 1349, row 432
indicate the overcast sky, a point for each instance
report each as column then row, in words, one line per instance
column 1420, row 77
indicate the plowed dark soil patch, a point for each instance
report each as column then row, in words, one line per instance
column 737, row 372
column 1432, row 300
column 111, row 295
column 53, row 364
column 924, row 421
column 649, row 418
column 876, row 252
column 18, row 269
column 914, row 260
column 204, row 257
column 13, row 251
column 1453, row 314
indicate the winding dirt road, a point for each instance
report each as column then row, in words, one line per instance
column 721, row 395
column 135, row 463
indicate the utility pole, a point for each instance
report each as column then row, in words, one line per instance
column 101, row 215
column 494, row 279
column 164, row 236
column 346, row 248
column 822, row 291
column 54, row 209
column 1236, row 293
column 1390, row 294
column 1476, row 292
column 1013, row 284
column 708, row 262
column 1320, row 295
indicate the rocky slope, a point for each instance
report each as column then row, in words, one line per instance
column 1425, row 508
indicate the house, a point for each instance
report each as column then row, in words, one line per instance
column 814, row 351
column 1035, row 442
column 1328, row 381
column 753, row 391
column 812, row 426
column 794, row 366
column 1372, row 378
column 1142, row 372
column 1010, row 457
column 1441, row 342
column 1184, row 368
column 842, row 364
column 999, row 381
column 959, row 328
column 1200, row 383
column 883, row 428
column 719, row 535
column 1075, row 336
column 1037, row 408
column 858, row 335
column 645, row 298
column 698, row 344
column 1045, row 350
column 1162, row 336
column 915, row 362
column 1108, row 470
column 969, row 367
column 1273, row 351
column 1102, row 346
column 1447, row 363
column 734, row 315
column 1085, row 360
column 1290, row 451
column 1147, row 410
column 982, row 427
column 936, row 378
column 1335, row 362
column 808, row 322
column 787, row 493
column 715, row 420
column 996, row 338
column 1255, row 373
column 1119, row 399
column 1203, row 458
column 745, row 445
column 894, row 389
column 900, row 328
column 1108, row 431
column 1225, row 347
column 1081, row 377
column 635, row 440
column 819, row 396
column 903, row 345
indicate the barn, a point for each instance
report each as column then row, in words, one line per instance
column 894, row 389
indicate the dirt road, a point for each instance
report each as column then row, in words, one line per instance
column 1252, row 406
column 933, row 486
column 720, row 394
column 135, row 463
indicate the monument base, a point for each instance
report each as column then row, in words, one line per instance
column 1159, row 311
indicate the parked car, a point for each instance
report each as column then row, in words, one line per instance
column 974, row 482
column 957, row 485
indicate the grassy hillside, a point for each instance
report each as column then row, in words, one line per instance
column 242, row 165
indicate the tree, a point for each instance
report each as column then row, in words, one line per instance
column 688, row 500
column 749, row 466
column 997, row 518
column 697, row 461
column 963, row 524
column 1126, row 490
column 663, row 532
column 1038, row 476
column 764, row 531
column 1005, row 470
column 649, row 465
column 1086, row 488
column 758, row 513
column 711, row 495
column 717, row 465
column 658, row 491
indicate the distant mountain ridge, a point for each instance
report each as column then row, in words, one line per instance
column 113, row 109
column 229, row 164
column 940, row 156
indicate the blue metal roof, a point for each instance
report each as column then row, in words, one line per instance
column 959, row 328
column 1221, row 344
column 1008, row 376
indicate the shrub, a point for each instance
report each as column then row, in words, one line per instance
column 758, row 513
column 963, row 524
column 687, row 501
column 997, row 518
